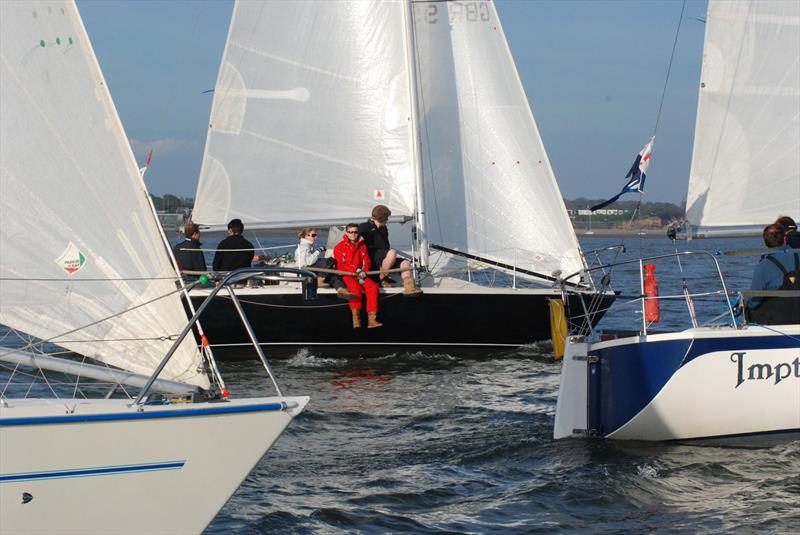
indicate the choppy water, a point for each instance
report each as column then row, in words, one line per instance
column 420, row 443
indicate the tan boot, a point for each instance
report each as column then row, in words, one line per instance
column 343, row 293
column 372, row 321
column 409, row 290
column 356, row 318
column 321, row 283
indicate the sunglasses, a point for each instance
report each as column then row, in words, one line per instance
column 352, row 232
column 313, row 235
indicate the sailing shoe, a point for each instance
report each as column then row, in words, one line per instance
column 387, row 282
column 321, row 283
column 372, row 321
column 409, row 289
column 343, row 293
column 356, row 318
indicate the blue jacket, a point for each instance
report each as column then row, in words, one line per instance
column 767, row 276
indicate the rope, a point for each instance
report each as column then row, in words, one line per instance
column 383, row 297
column 787, row 335
column 50, row 340
column 669, row 68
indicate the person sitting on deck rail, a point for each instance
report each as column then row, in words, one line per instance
column 383, row 257
column 792, row 237
column 235, row 251
column 351, row 255
column 187, row 252
column 306, row 256
column 775, row 271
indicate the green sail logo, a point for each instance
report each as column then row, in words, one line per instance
column 72, row 259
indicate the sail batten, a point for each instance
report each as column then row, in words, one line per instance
column 80, row 251
column 746, row 157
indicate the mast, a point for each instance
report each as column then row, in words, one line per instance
column 421, row 234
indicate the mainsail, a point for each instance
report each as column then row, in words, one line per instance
column 79, row 244
column 746, row 158
column 310, row 119
column 312, row 122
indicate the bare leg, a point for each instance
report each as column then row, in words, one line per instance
column 405, row 264
column 389, row 260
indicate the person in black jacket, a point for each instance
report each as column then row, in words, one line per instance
column 383, row 257
column 235, row 251
column 187, row 252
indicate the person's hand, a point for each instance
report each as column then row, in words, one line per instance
column 322, row 249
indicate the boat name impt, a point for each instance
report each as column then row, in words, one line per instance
column 781, row 371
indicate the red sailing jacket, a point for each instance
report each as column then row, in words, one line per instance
column 351, row 256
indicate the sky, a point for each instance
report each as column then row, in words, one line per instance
column 593, row 71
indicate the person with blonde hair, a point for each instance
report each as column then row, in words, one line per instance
column 306, row 255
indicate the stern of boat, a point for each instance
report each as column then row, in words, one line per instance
column 571, row 407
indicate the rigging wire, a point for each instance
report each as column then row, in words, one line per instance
column 669, row 69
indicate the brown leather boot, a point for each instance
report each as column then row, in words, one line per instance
column 321, row 283
column 356, row 318
column 409, row 289
column 344, row 293
column 372, row 321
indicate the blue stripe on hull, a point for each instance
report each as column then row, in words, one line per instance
column 88, row 472
column 156, row 414
column 627, row 377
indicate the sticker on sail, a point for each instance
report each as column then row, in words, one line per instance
column 72, row 259
column 378, row 195
column 538, row 258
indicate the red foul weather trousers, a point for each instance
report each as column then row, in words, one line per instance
column 355, row 288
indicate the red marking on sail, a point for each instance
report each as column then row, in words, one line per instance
column 149, row 158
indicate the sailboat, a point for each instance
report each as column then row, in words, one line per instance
column 718, row 380
column 323, row 110
column 136, row 433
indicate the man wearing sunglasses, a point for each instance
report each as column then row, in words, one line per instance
column 351, row 256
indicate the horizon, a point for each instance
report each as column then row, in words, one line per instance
column 592, row 83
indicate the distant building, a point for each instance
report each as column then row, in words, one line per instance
column 604, row 211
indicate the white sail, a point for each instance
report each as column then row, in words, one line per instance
column 78, row 240
column 746, row 158
column 310, row 120
column 489, row 187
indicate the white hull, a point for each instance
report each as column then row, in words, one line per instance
column 696, row 384
column 103, row 467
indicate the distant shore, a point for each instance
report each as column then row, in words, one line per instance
column 620, row 232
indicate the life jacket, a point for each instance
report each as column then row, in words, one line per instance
column 781, row 310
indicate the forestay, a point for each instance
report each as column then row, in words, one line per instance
column 746, row 158
column 79, row 241
column 489, row 187
column 310, row 120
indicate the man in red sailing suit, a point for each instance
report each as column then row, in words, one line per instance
column 351, row 256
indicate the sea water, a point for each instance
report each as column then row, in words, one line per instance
column 427, row 442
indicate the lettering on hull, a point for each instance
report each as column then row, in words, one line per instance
column 764, row 371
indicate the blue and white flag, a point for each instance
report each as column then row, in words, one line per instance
column 637, row 175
